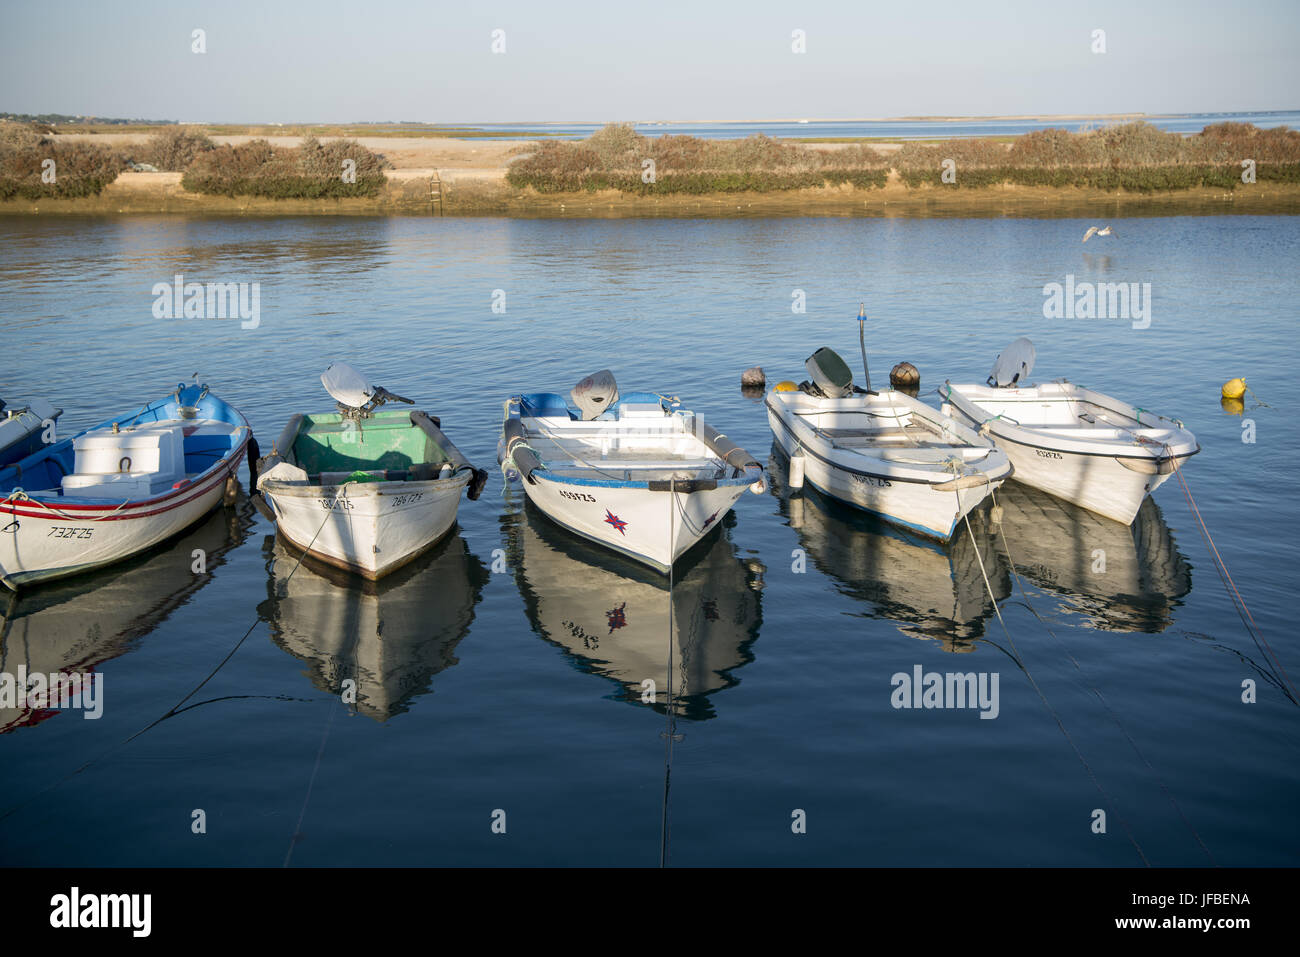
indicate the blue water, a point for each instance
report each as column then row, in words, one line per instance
column 500, row 673
column 892, row 129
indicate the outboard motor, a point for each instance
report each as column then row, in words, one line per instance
column 1014, row 364
column 595, row 394
column 356, row 398
column 830, row 373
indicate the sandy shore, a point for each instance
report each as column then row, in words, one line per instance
column 475, row 159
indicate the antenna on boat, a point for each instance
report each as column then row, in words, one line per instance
column 862, row 341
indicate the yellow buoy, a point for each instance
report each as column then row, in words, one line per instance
column 1232, row 406
column 1234, row 388
column 786, row 386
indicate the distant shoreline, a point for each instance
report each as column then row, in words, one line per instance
column 468, row 176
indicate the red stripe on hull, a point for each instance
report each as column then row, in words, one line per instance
column 123, row 513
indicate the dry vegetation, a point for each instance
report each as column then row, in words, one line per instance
column 311, row 171
column 34, row 165
column 1135, row 156
column 615, row 158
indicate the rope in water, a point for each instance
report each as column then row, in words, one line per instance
column 1042, row 697
column 177, row 708
column 1221, row 567
column 1011, row 562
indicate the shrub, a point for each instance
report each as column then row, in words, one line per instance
column 174, row 148
column 612, row 158
column 80, row 169
column 313, row 170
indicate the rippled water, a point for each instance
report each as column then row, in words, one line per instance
column 518, row 689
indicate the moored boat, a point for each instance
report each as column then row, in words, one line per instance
column 22, row 429
column 123, row 486
column 635, row 473
column 363, row 490
column 1077, row 444
column 883, row 452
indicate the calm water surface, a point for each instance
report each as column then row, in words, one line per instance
column 895, row 129
column 518, row 688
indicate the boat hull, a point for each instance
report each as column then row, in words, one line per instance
column 1108, row 471
column 63, row 539
column 1099, row 483
column 21, row 433
column 368, row 528
column 653, row 527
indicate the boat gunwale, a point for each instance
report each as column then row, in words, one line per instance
column 677, row 420
column 1184, row 445
column 300, row 489
column 931, row 475
column 87, row 504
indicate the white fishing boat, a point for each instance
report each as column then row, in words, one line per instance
column 1074, row 443
column 119, row 488
column 365, row 491
column 636, row 473
column 22, row 428
column 884, row 452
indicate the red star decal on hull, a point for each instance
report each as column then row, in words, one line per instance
column 612, row 519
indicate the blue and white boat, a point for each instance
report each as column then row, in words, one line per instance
column 129, row 483
column 23, row 429
column 636, row 473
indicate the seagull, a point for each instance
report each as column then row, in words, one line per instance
column 1094, row 231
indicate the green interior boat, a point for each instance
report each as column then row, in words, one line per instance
column 388, row 446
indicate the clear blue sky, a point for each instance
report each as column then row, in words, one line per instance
column 325, row 61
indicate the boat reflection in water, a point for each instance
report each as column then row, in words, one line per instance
column 613, row 615
column 390, row 637
column 1119, row 577
column 936, row 591
column 75, row 624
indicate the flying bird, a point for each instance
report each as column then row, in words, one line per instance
column 1094, row 231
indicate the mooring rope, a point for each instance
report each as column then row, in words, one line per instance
column 1238, row 603
column 178, row 707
